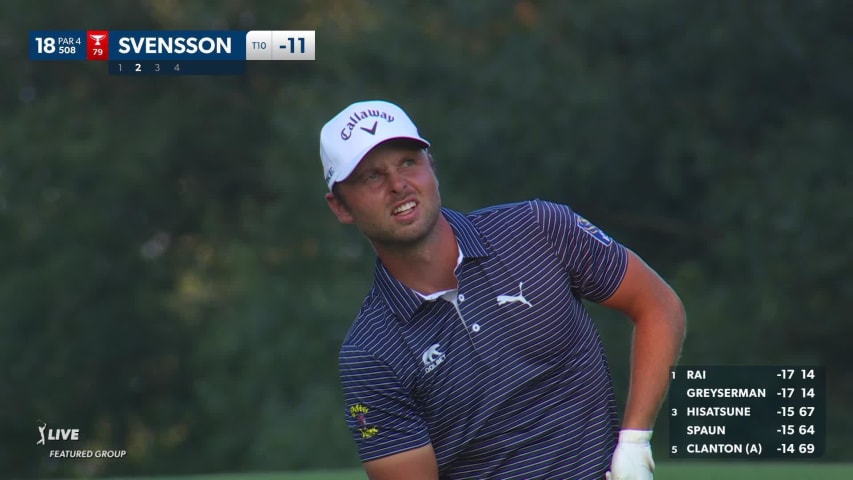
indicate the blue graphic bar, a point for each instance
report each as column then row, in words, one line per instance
column 58, row 45
column 177, row 45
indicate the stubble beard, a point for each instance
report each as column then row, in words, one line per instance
column 411, row 237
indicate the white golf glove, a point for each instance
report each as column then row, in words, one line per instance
column 632, row 459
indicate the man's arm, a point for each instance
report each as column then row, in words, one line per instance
column 415, row 464
column 659, row 328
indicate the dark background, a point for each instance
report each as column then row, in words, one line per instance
column 173, row 283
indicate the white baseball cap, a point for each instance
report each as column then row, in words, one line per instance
column 346, row 138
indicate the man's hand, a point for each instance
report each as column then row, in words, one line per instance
column 632, row 459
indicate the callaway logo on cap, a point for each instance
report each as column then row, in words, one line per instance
column 346, row 138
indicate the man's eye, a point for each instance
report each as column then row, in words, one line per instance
column 408, row 162
column 370, row 177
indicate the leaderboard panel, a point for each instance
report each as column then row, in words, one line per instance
column 173, row 52
column 742, row 412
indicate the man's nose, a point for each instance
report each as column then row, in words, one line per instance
column 397, row 182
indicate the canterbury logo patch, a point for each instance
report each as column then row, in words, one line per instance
column 432, row 357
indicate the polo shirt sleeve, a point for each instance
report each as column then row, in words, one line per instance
column 380, row 413
column 595, row 261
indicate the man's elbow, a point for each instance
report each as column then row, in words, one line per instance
column 675, row 314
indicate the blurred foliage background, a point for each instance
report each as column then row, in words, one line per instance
column 174, row 284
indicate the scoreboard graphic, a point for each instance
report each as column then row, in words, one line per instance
column 741, row 412
column 173, row 52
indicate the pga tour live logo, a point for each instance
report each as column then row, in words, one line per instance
column 71, row 434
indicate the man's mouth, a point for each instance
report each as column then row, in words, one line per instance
column 404, row 208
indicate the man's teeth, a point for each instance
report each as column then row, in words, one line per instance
column 404, row 208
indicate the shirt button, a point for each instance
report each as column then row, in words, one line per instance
column 475, row 327
column 461, row 297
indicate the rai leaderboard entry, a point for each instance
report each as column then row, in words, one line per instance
column 743, row 412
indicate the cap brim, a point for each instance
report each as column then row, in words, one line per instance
column 343, row 174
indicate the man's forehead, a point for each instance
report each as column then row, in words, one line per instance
column 402, row 144
column 390, row 151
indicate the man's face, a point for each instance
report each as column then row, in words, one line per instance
column 392, row 196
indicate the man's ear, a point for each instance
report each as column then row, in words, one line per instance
column 339, row 208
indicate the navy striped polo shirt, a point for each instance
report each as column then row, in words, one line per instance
column 511, row 381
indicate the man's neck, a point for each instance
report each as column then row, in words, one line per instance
column 428, row 267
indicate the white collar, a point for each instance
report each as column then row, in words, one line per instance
column 446, row 294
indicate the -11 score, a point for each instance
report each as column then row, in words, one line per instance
column 301, row 44
column 290, row 40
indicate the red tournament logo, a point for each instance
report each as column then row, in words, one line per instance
column 97, row 45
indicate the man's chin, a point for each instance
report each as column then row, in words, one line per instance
column 409, row 236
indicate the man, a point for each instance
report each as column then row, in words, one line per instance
column 472, row 356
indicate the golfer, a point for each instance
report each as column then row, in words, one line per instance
column 473, row 356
